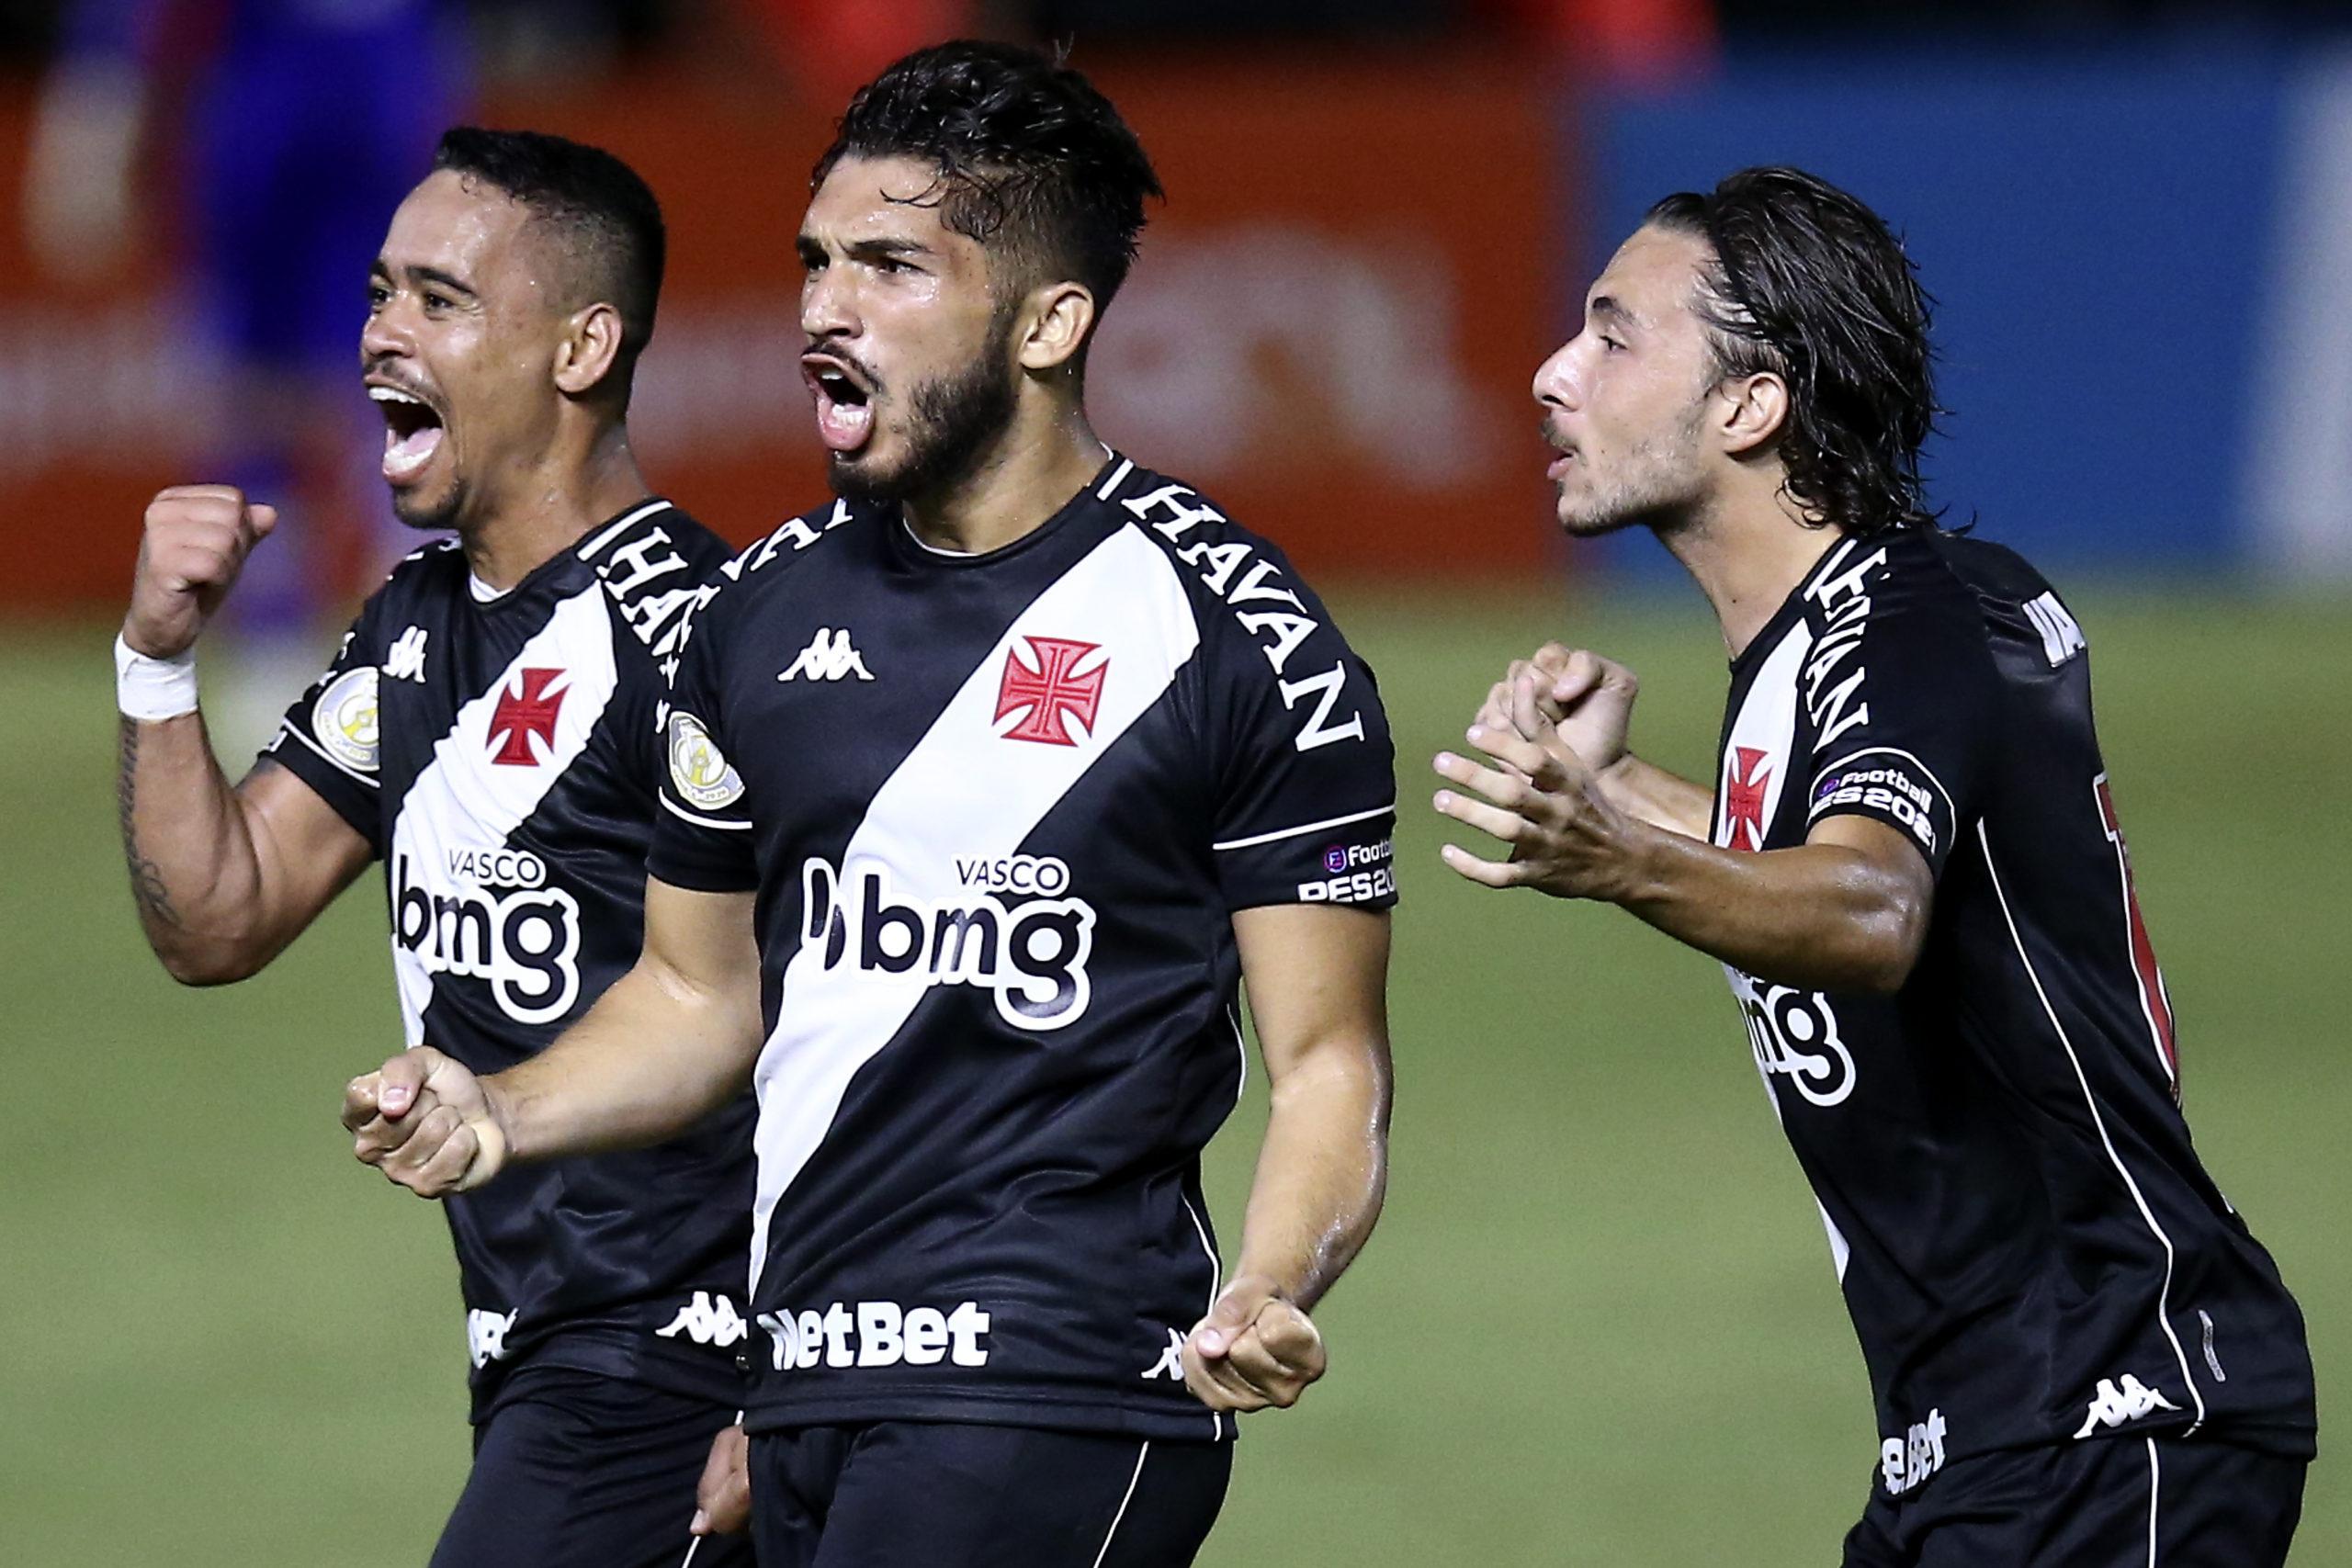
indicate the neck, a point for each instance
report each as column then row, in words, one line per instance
column 550, row 506
column 1748, row 548
column 1044, row 457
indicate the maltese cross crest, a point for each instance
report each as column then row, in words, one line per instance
column 1744, row 797
column 1050, row 692
column 526, row 709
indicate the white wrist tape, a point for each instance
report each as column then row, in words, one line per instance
column 153, row 689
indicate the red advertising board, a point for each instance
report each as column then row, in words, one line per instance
column 1331, row 330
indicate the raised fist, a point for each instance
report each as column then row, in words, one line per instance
column 197, row 541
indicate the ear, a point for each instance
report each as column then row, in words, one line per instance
column 589, row 347
column 1755, row 408
column 1058, row 317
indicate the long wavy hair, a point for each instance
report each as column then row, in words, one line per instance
column 1807, row 283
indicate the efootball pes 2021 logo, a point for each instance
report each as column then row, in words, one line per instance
column 1010, row 934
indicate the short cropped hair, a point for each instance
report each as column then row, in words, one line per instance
column 1034, row 162
column 1809, row 283
column 602, row 213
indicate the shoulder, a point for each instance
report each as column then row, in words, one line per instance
column 1265, row 631
column 1897, row 588
column 1242, row 585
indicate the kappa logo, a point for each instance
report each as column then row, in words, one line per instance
column 404, row 660
column 486, row 1334
column 1744, row 786
column 828, row 657
column 1050, row 690
column 526, row 710
column 2114, row 1405
column 708, row 1320
column 1170, row 1364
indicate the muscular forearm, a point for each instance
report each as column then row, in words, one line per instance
column 1820, row 915
column 195, row 874
column 1321, row 1172
column 652, row 1059
column 1657, row 797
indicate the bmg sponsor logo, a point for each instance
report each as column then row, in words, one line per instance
column 1360, row 873
column 1796, row 1035
column 497, row 922
column 877, row 1334
column 1009, row 937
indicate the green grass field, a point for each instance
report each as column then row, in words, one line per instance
column 1597, row 1325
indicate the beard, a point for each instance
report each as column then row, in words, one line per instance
column 430, row 514
column 1654, row 484
column 952, row 421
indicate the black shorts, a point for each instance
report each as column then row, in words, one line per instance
column 926, row 1494
column 2105, row 1503
column 576, row 1470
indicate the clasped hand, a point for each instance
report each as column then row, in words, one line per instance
column 1551, row 726
column 426, row 1122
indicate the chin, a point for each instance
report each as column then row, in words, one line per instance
column 427, row 513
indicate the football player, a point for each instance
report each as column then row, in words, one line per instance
column 990, row 784
column 1909, row 865
column 489, row 732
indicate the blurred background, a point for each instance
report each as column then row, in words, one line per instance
column 1597, row 1325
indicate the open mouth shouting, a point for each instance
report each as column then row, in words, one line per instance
column 412, row 431
column 844, row 405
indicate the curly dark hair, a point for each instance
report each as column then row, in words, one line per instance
column 1034, row 162
column 1809, row 283
column 603, row 213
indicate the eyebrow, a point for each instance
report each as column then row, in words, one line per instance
column 1606, row 305
column 381, row 268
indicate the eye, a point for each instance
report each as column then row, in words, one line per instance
column 1612, row 344
column 436, row 301
column 378, row 295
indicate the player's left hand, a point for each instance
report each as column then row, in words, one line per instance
column 723, row 1496
column 1545, row 802
column 1253, row 1349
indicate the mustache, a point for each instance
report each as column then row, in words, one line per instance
column 1552, row 435
column 865, row 374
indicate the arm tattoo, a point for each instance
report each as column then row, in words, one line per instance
column 146, row 877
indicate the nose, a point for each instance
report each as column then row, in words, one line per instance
column 827, row 308
column 1556, row 379
column 385, row 334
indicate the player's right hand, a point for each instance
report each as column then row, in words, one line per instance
column 1588, row 700
column 197, row 541
column 426, row 1122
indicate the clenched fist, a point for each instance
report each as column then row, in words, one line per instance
column 1253, row 1349
column 197, row 541
column 426, row 1122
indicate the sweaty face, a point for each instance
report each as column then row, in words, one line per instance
column 1625, row 400
column 909, row 357
column 462, row 332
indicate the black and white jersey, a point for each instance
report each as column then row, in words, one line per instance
column 2029, row 1246
column 999, row 810
column 499, row 755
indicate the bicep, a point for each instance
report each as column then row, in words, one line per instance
column 702, row 943
column 1892, row 874
column 306, row 851
column 1317, row 978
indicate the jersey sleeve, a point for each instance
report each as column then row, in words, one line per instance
column 702, row 837
column 1306, row 786
column 328, row 738
column 1910, row 742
